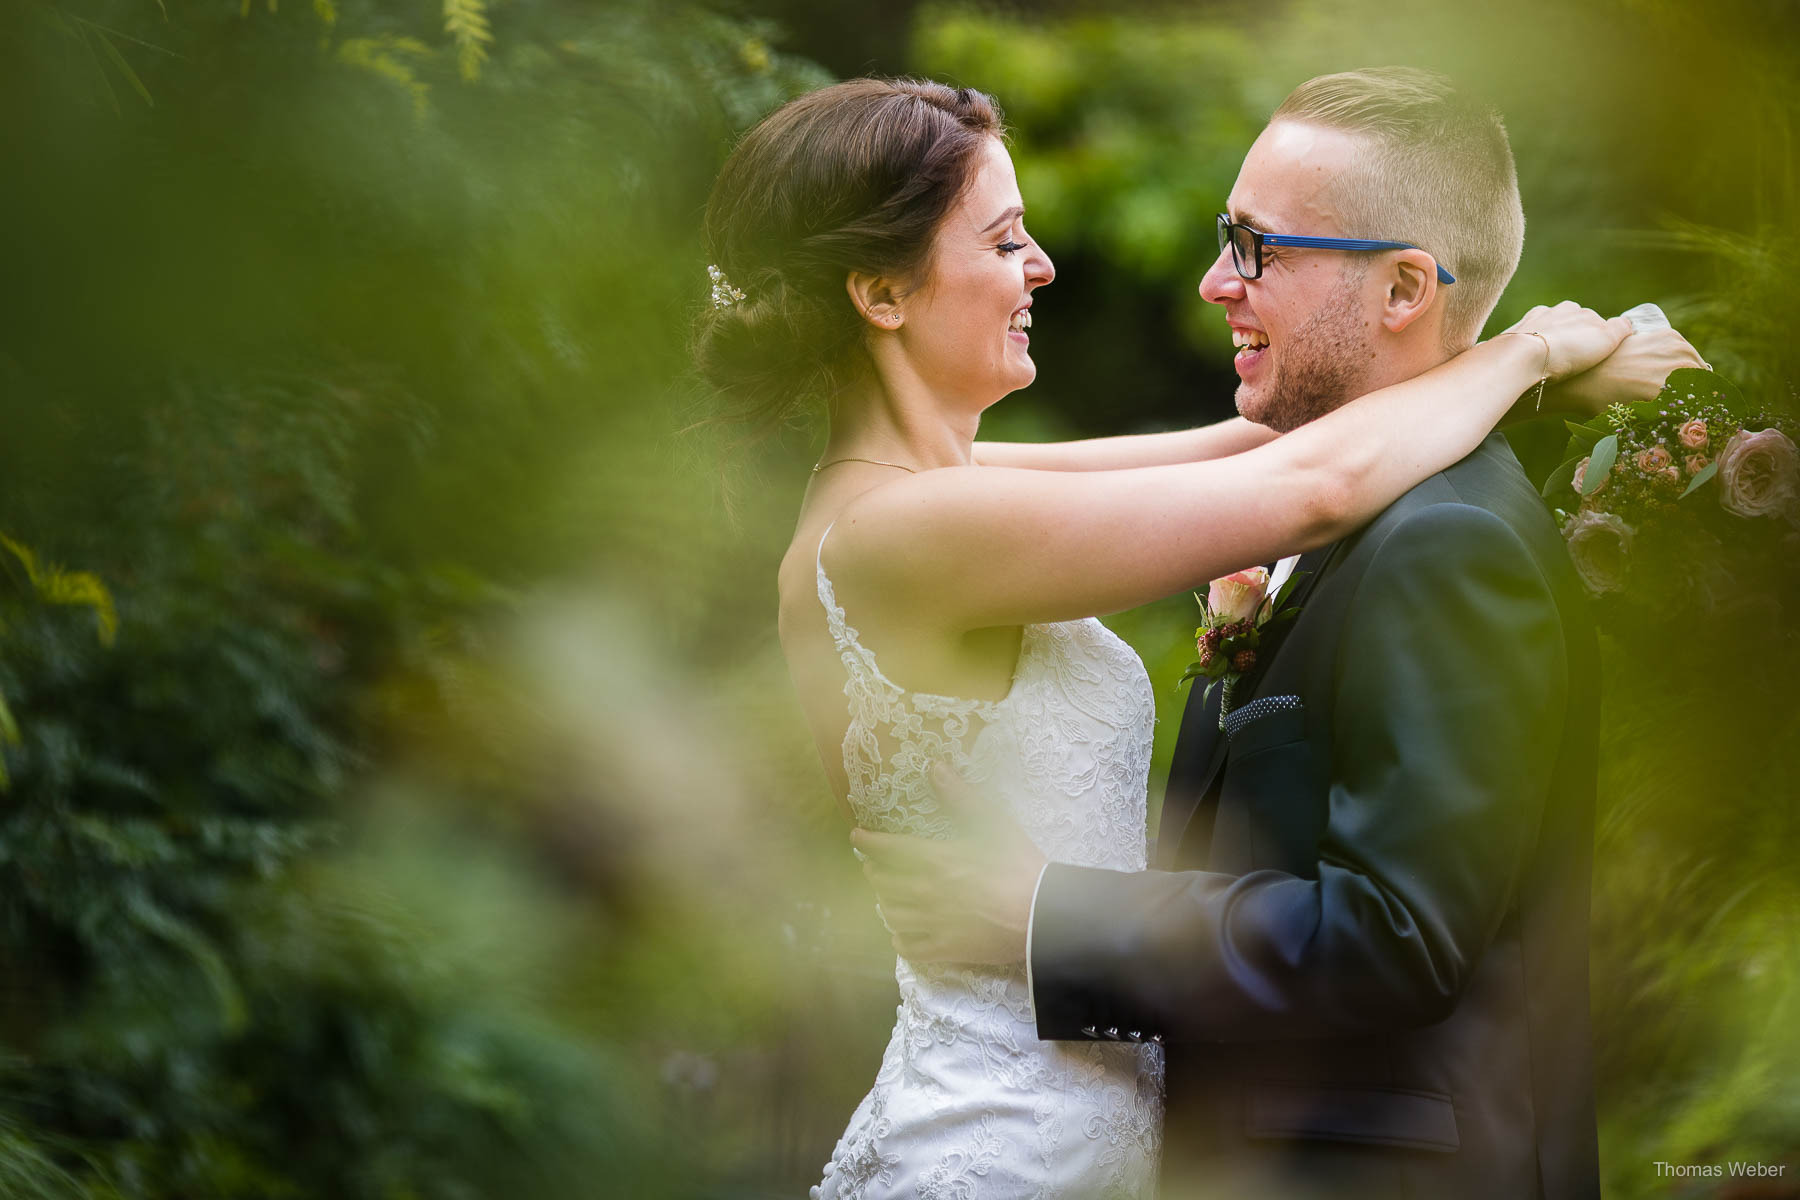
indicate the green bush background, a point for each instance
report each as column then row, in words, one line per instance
column 437, row 820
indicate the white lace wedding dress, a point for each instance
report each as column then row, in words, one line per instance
column 968, row 1103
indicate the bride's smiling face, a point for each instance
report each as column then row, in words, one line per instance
column 964, row 331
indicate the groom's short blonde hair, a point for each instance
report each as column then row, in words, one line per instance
column 1440, row 175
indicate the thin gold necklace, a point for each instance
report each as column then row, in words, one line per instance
column 852, row 458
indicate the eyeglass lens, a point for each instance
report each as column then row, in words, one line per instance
column 1243, row 248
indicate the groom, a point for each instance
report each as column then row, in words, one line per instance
column 1365, row 945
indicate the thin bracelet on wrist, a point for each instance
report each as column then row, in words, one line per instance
column 1543, row 378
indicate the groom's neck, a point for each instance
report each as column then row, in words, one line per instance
column 1406, row 358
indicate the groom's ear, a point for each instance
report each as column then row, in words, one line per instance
column 875, row 298
column 1411, row 288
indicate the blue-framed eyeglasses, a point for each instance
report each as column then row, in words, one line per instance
column 1247, row 247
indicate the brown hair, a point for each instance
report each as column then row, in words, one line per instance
column 853, row 177
column 1441, row 177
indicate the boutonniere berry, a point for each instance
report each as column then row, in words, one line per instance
column 1235, row 613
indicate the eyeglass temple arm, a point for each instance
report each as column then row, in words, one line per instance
column 1299, row 242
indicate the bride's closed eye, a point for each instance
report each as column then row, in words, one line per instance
column 1011, row 247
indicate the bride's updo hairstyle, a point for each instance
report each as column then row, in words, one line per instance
column 853, row 177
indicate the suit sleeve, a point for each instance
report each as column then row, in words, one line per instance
column 1451, row 682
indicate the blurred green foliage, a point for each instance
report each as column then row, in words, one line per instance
column 439, row 822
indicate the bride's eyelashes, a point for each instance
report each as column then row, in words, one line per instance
column 1011, row 247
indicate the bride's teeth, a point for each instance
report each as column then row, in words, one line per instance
column 1021, row 321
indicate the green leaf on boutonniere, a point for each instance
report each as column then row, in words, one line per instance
column 1193, row 672
column 1700, row 477
column 1207, row 694
column 1282, row 617
column 1600, row 464
column 1285, row 590
column 1561, row 478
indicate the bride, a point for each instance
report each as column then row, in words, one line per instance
column 871, row 258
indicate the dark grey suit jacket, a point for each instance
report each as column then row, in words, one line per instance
column 1367, row 952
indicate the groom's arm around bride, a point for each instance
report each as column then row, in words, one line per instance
column 1382, row 930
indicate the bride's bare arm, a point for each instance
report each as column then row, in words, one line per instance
column 1635, row 372
column 1218, row 440
column 972, row 547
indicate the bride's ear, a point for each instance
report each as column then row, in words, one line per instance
column 875, row 299
column 1411, row 288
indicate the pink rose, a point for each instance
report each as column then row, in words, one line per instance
column 1693, row 434
column 1696, row 463
column 1581, row 476
column 1600, row 544
column 1759, row 473
column 1237, row 596
column 1653, row 460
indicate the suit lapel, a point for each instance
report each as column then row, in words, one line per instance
column 1198, row 750
column 1191, row 799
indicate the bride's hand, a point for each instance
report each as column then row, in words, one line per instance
column 1574, row 338
column 1635, row 371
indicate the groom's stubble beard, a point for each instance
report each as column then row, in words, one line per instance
column 1323, row 363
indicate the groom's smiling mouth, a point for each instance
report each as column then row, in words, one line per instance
column 1248, row 339
column 1250, row 343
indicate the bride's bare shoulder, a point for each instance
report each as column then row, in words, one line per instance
column 882, row 527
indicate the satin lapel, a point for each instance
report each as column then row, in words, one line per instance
column 1196, row 804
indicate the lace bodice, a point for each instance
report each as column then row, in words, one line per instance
column 1067, row 748
column 1067, row 751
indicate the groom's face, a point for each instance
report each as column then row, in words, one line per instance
column 1315, row 309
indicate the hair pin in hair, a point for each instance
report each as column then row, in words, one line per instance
column 723, row 294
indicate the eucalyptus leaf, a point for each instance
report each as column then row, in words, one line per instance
column 1600, row 463
column 1560, row 479
column 1704, row 474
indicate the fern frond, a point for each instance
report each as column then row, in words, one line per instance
column 376, row 55
column 53, row 585
column 467, row 24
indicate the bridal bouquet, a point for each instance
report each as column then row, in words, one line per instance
column 1688, row 502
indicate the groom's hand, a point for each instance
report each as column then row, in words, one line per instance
column 1635, row 371
column 963, row 899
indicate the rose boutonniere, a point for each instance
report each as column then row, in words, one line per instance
column 1235, row 613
